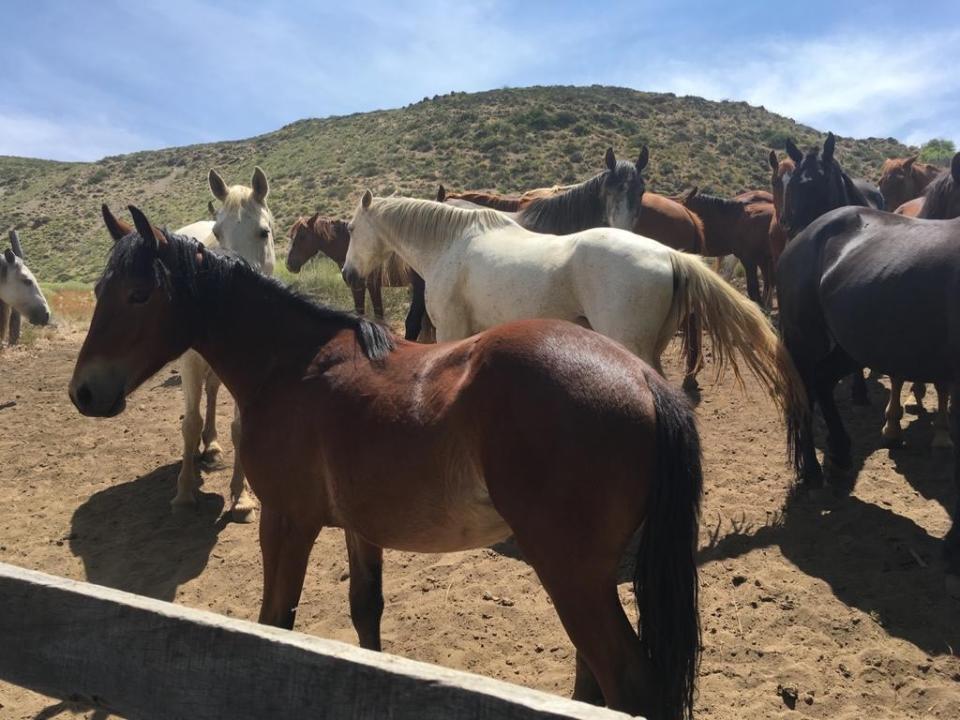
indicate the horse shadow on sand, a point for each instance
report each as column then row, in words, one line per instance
column 874, row 559
column 129, row 539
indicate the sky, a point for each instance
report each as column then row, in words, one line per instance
column 82, row 79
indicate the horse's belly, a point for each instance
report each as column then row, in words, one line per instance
column 447, row 516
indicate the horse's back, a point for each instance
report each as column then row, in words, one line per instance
column 670, row 223
column 881, row 283
column 201, row 231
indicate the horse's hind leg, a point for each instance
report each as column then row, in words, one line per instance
column 753, row 283
column 192, row 379
column 212, row 452
column 951, row 543
column 834, row 366
column 766, row 272
column 694, row 334
column 366, row 589
column 941, row 422
column 893, row 414
column 858, row 389
column 243, row 506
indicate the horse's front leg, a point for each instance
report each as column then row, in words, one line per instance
column 366, row 589
column 212, row 455
column 951, row 543
column 893, row 414
column 243, row 506
column 285, row 542
column 187, row 481
column 359, row 299
column 941, row 423
column 376, row 297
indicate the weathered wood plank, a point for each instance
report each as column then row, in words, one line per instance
column 145, row 658
column 14, row 326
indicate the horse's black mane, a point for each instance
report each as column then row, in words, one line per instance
column 937, row 197
column 579, row 208
column 219, row 272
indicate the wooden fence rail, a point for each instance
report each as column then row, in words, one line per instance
column 144, row 658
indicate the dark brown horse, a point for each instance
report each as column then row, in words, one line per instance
column 539, row 429
column 903, row 179
column 863, row 288
column 816, row 186
column 739, row 227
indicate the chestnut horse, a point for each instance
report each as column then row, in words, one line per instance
column 740, row 227
column 330, row 237
column 903, row 179
column 538, row 429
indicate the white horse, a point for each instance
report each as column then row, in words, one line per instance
column 244, row 225
column 19, row 290
column 481, row 269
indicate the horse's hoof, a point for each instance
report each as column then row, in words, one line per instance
column 184, row 502
column 244, row 516
column 212, row 458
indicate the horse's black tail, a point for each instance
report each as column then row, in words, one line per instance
column 665, row 579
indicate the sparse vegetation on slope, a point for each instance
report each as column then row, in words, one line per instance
column 504, row 140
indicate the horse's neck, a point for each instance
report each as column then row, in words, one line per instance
column 423, row 251
column 340, row 243
column 718, row 233
column 251, row 333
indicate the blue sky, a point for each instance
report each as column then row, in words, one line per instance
column 84, row 79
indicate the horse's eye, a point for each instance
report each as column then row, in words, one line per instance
column 264, row 233
column 138, row 297
column 27, row 281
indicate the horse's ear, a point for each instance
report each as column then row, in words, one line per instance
column 144, row 227
column 644, row 158
column 610, row 159
column 793, row 151
column 116, row 227
column 366, row 199
column 774, row 163
column 955, row 168
column 441, row 193
column 829, row 145
column 217, row 186
column 261, row 188
column 10, row 256
column 689, row 195
column 908, row 163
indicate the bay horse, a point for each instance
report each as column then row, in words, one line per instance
column 903, row 179
column 539, row 429
column 330, row 237
column 739, row 227
column 817, row 185
column 483, row 269
column 243, row 225
column 850, row 287
column 20, row 291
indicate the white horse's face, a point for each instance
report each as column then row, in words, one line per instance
column 367, row 251
column 19, row 289
column 244, row 223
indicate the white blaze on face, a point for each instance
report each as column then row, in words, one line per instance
column 619, row 214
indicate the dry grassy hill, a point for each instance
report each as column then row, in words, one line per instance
column 505, row 140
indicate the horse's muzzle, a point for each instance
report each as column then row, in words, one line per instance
column 96, row 404
column 40, row 317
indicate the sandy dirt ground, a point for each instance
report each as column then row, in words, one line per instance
column 825, row 608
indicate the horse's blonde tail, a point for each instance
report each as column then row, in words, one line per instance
column 737, row 329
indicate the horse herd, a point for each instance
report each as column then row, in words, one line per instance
column 541, row 411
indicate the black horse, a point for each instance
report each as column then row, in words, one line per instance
column 862, row 288
column 816, row 186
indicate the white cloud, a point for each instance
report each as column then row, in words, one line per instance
column 73, row 139
column 855, row 85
